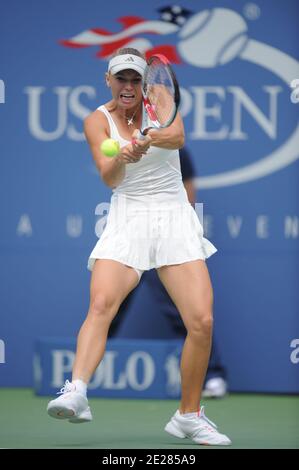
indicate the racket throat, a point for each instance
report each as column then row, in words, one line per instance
column 150, row 111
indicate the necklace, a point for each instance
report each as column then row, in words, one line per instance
column 130, row 120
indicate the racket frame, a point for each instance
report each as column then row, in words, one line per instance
column 148, row 108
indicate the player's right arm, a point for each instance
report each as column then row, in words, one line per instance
column 112, row 170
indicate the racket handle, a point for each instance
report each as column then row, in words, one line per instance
column 140, row 136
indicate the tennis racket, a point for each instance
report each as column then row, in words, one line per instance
column 161, row 95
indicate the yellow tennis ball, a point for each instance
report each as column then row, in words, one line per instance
column 110, row 147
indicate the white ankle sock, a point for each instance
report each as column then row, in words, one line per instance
column 189, row 415
column 81, row 386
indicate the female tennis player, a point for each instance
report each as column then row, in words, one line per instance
column 151, row 224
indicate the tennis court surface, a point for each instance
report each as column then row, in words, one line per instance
column 251, row 421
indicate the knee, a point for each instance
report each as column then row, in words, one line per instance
column 100, row 307
column 202, row 324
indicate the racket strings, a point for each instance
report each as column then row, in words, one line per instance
column 160, row 92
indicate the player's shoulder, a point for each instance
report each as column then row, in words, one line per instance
column 98, row 117
column 93, row 118
column 95, row 121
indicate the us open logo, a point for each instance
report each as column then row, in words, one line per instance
column 241, row 113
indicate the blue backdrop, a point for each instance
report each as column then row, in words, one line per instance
column 235, row 62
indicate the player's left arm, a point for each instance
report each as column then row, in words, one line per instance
column 172, row 137
column 190, row 190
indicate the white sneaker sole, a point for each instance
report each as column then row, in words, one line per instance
column 63, row 412
column 175, row 431
column 84, row 417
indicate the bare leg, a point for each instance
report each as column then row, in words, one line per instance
column 110, row 283
column 190, row 288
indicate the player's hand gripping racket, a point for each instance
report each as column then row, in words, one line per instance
column 161, row 95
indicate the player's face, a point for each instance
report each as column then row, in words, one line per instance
column 126, row 88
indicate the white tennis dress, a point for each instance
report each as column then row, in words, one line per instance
column 150, row 222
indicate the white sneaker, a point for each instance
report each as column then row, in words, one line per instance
column 215, row 388
column 200, row 429
column 71, row 405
